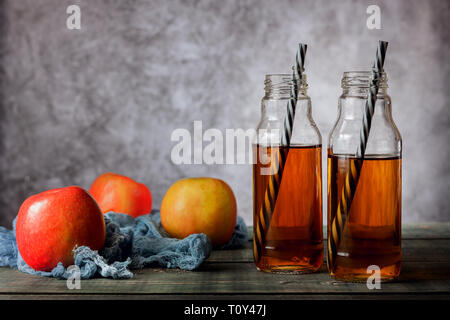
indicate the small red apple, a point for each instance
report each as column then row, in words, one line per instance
column 50, row 224
column 118, row 193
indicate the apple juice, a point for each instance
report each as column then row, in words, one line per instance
column 293, row 240
column 372, row 233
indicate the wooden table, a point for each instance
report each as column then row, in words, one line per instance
column 231, row 274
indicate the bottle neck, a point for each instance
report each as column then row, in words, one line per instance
column 274, row 109
column 355, row 90
column 358, row 83
column 279, row 86
column 384, row 137
column 352, row 107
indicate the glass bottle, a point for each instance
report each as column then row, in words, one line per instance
column 290, row 238
column 371, row 237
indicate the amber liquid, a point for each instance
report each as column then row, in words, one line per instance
column 372, row 233
column 294, row 237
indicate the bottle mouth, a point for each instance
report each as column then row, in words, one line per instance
column 361, row 79
column 280, row 84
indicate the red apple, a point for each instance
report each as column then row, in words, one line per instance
column 50, row 224
column 118, row 193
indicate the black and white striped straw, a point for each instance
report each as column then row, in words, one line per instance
column 297, row 76
column 377, row 71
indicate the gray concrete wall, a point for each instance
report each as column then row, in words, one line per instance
column 77, row 103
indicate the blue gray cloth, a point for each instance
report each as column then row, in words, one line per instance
column 130, row 244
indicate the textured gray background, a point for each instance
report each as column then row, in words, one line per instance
column 77, row 103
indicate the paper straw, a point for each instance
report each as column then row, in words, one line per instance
column 278, row 162
column 352, row 177
column 297, row 75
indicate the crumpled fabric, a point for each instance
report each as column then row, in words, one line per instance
column 131, row 243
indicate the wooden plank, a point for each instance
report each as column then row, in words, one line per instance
column 232, row 278
column 412, row 250
column 431, row 230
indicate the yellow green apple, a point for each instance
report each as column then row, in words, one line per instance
column 200, row 205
